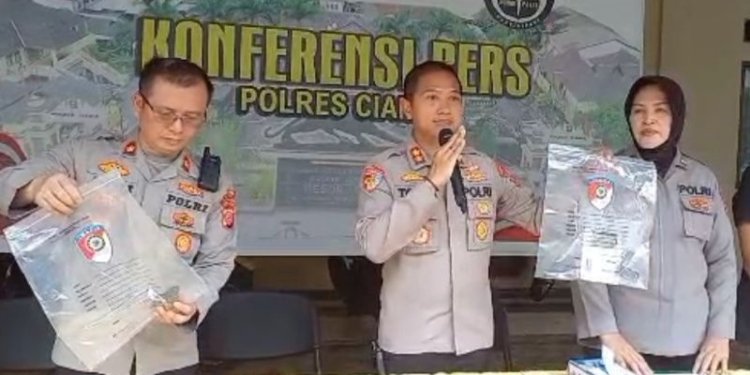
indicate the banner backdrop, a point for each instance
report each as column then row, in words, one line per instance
column 307, row 90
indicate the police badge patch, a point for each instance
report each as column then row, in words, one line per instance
column 229, row 208
column 482, row 229
column 417, row 155
column 110, row 165
column 484, row 207
column 93, row 241
column 190, row 188
column 130, row 148
column 600, row 192
column 187, row 163
column 505, row 172
column 423, row 236
column 372, row 177
column 183, row 242
column 700, row 203
column 412, row 176
column 183, row 219
column 473, row 173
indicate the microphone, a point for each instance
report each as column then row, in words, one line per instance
column 457, row 181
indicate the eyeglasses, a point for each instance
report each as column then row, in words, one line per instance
column 168, row 116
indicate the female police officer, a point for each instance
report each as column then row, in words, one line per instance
column 685, row 318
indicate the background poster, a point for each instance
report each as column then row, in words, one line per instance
column 307, row 89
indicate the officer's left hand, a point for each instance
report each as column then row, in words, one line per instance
column 178, row 313
column 713, row 356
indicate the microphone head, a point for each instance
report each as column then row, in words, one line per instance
column 444, row 136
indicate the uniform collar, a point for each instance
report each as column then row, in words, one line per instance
column 680, row 161
column 678, row 164
column 129, row 147
column 418, row 158
column 184, row 164
column 187, row 164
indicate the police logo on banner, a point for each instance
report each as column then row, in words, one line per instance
column 600, row 192
column 93, row 241
column 519, row 14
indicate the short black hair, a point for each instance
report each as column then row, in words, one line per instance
column 412, row 79
column 180, row 72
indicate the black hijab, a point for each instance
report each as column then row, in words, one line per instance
column 662, row 155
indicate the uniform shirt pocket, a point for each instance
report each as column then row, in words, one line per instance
column 424, row 242
column 698, row 216
column 184, row 227
column 481, row 224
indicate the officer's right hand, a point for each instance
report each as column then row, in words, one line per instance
column 57, row 192
column 625, row 354
column 445, row 158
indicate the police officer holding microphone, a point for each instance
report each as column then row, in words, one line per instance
column 434, row 241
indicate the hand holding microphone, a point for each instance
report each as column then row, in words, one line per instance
column 446, row 156
column 444, row 161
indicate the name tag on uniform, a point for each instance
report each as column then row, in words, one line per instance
column 479, row 191
column 403, row 191
column 190, row 204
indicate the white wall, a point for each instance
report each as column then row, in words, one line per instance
column 701, row 46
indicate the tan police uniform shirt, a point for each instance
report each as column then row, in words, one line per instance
column 692, row 273
column 201, row 224
column 436, row 292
